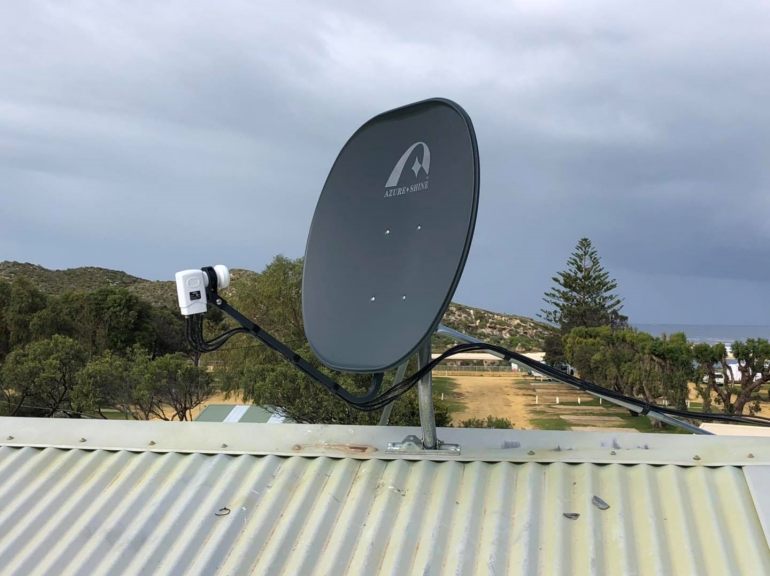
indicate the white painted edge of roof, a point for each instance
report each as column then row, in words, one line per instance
column 758, row 480
column 366, row 442
column 735, row 429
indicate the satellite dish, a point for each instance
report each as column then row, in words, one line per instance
column 390, row 236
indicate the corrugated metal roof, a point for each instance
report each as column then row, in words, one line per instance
column 118, row 510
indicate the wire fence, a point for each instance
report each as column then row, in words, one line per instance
column 498, row 369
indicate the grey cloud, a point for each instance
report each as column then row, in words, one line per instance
column 153, row 137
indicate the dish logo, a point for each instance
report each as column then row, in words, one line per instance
column 420, row 166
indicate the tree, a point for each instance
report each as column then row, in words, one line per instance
column 25, row 300
column 170, row 388
column 108, row 381
column 673, row 358
column 41, row 375
column 753, row 358
column 632, row 362
column 583, row 295
column 55, row 318
column 116, row 319
column 168, row 327
column 5, row 331
column 734, row 395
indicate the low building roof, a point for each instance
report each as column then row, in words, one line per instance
column 241, row 413
column 91, row 497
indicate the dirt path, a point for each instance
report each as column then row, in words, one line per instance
column 499, row 396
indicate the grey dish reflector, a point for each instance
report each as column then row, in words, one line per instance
column 390, row 236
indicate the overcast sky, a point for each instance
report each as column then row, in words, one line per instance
column 155, row 136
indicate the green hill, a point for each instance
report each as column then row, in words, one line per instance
column 60, row 281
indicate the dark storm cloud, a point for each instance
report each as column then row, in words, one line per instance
column 153, row 137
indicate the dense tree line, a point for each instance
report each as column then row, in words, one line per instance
column 88, row 352
column 108, row 350
column 659, row 369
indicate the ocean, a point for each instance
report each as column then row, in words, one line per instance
column 710, row 334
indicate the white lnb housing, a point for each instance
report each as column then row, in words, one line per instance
column 191, row 291
column 191, row 288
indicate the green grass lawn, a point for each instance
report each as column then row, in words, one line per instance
column 446, row 386
column 550, row 423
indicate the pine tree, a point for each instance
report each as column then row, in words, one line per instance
column 583, row 294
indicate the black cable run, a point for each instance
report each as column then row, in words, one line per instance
column 374, row 400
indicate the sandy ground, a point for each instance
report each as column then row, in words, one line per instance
column 499, row 396
column 520, row 400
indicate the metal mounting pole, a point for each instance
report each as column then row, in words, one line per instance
column 400, row 373
column 425, row 398
column 430, row 443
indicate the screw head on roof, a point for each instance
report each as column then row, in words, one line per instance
column 696, row 457
column 751, row 455
column 9, row 438
column 531, row 452
column 152, row 442
column 224, row 445
column 612, row 453
column 82, row 440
